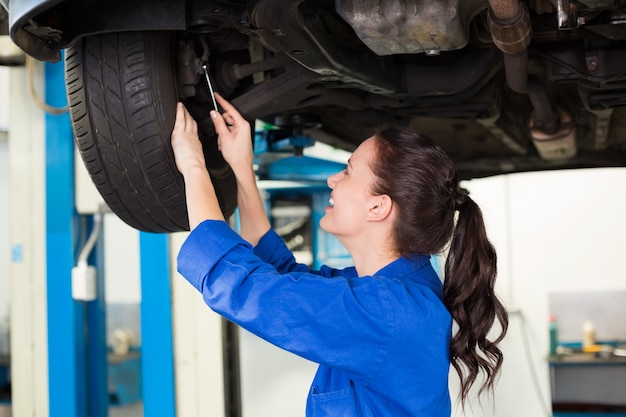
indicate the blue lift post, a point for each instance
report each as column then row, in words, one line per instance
column 77, row 350
column 157, row 352
column 98, row 367
column 69, row 367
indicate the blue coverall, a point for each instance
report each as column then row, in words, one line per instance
column 381, row 342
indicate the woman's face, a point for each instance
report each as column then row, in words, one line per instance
column 350, row 196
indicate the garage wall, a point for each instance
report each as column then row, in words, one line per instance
column 555, row 232
column 4, row 196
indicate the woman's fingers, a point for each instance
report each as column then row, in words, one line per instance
column 183, row 121
column 179, row 121
column 190, row 123
column 230, row 112
column 219, row 123
column 185, row 140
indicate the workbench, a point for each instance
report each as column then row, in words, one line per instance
column 588, row 385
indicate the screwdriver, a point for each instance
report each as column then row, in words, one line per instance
column 208, row 80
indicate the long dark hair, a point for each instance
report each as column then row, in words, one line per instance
column 421, row 179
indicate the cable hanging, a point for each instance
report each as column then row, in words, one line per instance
column 30, row 76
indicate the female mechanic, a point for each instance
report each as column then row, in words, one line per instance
column 381, row 331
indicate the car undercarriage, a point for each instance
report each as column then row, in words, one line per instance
column 504, row 85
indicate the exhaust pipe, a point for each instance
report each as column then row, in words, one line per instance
column 551, row 130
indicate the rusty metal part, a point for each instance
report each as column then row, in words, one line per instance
column 511, row 30
column 510, row 26
column 558, row 145
column 391, row 27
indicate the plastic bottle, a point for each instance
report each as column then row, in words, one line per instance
column 589, row 334
column 554, row 334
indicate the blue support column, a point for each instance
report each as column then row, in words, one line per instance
column 77, row 368
column 157, row 353
column 67, row 376
column 97, row 374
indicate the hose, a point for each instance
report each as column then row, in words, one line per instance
column 91, row 242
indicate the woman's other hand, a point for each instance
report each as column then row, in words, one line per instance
column 200, row 194
column 235, row 143
column 186, row 143
column 234, row 137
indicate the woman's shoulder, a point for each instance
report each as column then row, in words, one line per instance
column 332, row 272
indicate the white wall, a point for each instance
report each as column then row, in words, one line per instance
column 4, row 210
column 555, row 231
column 4, row 96
column 29, row 333
column 4, row 198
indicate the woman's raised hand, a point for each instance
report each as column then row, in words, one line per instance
column 234, row 136
column 186, row 143
column 235, row 142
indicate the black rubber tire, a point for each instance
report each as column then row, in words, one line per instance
column 122, row 97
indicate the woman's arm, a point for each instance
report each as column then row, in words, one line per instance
column 202, row 201
column 235, row 143
column 321, row 319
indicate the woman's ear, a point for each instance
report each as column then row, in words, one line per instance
column 380, row 207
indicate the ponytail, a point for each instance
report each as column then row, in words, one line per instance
column 469, row 295
column 421, row 179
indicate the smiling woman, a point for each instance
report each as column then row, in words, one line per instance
column 351, row 189
column 380, row 331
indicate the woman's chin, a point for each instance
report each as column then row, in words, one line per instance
column 323, row 221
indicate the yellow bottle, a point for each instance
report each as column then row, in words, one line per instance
column 589, row 336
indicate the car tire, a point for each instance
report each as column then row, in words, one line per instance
column 122, row 96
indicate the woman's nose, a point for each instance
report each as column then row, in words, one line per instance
column 332, row 180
